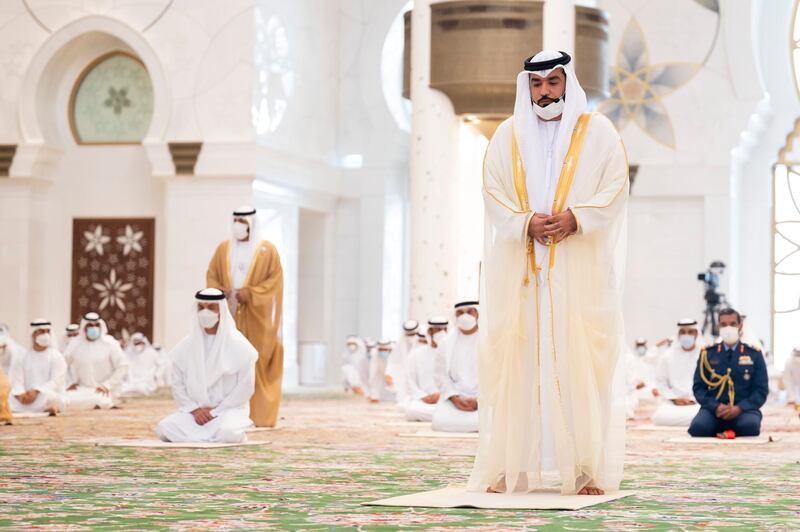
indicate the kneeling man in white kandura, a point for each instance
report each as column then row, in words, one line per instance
column 97, row 365
column 213, row 377
column 457, row 410
column 675, row 378
column 37, row 379
column 425, row 373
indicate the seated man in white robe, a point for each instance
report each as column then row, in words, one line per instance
column 378, row 388
column 141, row 379
column 70, row 331
column 37, row 379
column 97, row 366
column 213, row 377
column 675, row 378
column 355, row 365
column 424, row 365
column 396, row 366
column 457, row 410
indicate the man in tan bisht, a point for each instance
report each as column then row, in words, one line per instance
column 552, row 397
column 5, row 410
column 249, row 271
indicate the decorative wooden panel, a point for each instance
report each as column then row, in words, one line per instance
column 112, row 272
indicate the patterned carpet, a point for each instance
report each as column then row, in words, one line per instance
column 332, row 453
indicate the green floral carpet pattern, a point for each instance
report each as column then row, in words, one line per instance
column 332, row 454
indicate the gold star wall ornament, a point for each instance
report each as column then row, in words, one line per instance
column 637, row 87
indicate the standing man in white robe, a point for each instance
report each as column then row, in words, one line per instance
column 355, row 365
column 97, row 366
column 396, row 367
column 555, row 196
column 70, row 331
column 457, row 410
column 37, row 380
column 424, row 367
column 675, row 378
column 213, row 377
column 142, row 365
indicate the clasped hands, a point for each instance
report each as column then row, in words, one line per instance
column 465, row 404
column 28, row 397
column 242, row 295
column 202, row 415
column 552, row 229
column 727, row 412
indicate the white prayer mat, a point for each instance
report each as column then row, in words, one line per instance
column 31, row 415
column 251, row 430
column 158, row 444
column 741, row 440
column 445, row 435
column 459, row 497
column 659, row 428
column 409, row 424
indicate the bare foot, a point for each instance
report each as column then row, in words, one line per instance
column 52, row 412
column 591, row 491
column 491, row 490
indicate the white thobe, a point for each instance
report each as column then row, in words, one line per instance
column 229, row 398
column 44, row 371
column 674, row 380
column 377, row 376
column 141, row 379
column 241, row 257
column 355, row 368
column 94, row 364
column 396, row 368
column 461, row 379
column 422, row 381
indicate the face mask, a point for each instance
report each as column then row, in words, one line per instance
column 686, row 341
column 207, row 318
column 138, row 347
column 466, row 322
column 550, row 111
column 641, row 350
column 93, row 333
column 439, row 337
column 729, row 334
column 351, row 347
column 43, row 340
column 240, row 230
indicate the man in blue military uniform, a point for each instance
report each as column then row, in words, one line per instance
column 730, row 384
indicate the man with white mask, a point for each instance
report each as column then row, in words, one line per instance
column 248, row 270
column 38, row 379
column 70, row 331
column 555, row 195
column 425, row 373
column 142, row 365
column 674, row 378
column 730, row 384
column 457, row 410
column 396, row 366
column 97, row 366
column 355, row 365
column 213, row 377
column 378, row 388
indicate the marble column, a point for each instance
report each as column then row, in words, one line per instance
column 434, row 166
column 559, row 25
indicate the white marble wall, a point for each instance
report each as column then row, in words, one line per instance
column 680, row 213
column 288, row 101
